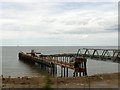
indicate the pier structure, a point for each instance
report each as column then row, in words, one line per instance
column 70, row 60
column 50, row 62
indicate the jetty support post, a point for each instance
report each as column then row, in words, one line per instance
column 67, row 67
column 80, row 67
column 61, row 71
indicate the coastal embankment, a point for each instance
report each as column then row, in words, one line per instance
column 105, row 80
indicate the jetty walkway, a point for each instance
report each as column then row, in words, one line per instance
column 112, row 55
column 70, row 60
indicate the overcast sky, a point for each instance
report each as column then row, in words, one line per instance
column 59, row 23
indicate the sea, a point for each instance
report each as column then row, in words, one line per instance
column 12, row 66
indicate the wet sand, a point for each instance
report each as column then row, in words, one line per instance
column 108, row 80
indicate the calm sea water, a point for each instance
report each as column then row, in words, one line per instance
column 11, row 66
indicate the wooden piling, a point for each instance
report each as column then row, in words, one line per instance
column 64, row 71
column 67, row 72
column 61, row 71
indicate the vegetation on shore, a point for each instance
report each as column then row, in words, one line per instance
column 98, row 80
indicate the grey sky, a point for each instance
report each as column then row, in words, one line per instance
column 45, row 23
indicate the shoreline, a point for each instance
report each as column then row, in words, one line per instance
column 105, row 80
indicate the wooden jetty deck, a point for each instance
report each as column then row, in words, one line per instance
column 50, row 62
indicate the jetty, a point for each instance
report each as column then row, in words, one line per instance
column 75, row 61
